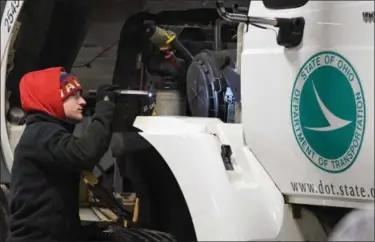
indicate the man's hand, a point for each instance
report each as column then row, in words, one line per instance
column 106, row 92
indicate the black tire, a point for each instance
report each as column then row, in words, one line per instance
column 4, row 213
column 4, row 198
column 138, row 235
column 4, row 228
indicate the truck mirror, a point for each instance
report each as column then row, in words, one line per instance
column 284, row 4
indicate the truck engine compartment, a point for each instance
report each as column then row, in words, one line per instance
column 142, row 62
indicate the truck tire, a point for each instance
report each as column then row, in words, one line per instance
column 4, row 198
column 4, row 213
column 140, row 235
column 4, row 229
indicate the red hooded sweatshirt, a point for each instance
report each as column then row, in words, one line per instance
column 45, row 90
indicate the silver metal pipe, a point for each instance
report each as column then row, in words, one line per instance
column 217, row 34
column 127, row 92
column 265, row 21
column 133, row 92
column 242, row 18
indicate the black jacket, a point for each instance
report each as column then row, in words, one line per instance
column 48, row 160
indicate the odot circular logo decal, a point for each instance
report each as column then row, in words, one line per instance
column 328, row 111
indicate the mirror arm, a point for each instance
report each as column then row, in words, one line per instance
column 242, row 18
column 290, row 29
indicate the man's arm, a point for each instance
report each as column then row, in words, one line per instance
column 83, row 153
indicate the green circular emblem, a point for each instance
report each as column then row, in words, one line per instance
column 328, row 112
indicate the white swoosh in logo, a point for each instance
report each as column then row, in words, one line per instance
column 334, row 121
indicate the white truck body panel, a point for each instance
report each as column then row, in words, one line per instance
column 286, row 122
column 243, row 204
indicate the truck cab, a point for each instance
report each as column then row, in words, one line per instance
column 261, row 125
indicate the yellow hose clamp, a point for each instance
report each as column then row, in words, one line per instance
column 90, row 178
column 170, row 37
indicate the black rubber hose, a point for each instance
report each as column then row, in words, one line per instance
column 126, row 74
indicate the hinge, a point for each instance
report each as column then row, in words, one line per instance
column 226, row 153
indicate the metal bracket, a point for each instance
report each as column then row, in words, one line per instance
column 290, row 29
column 226, row 153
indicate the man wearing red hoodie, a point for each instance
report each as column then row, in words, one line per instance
column 48, row 160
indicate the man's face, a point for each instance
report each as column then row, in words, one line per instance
column 73, row 107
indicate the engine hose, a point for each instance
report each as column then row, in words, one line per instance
column 160, row 36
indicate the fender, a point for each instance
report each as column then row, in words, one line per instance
column 8, row 19
column 238, row 204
